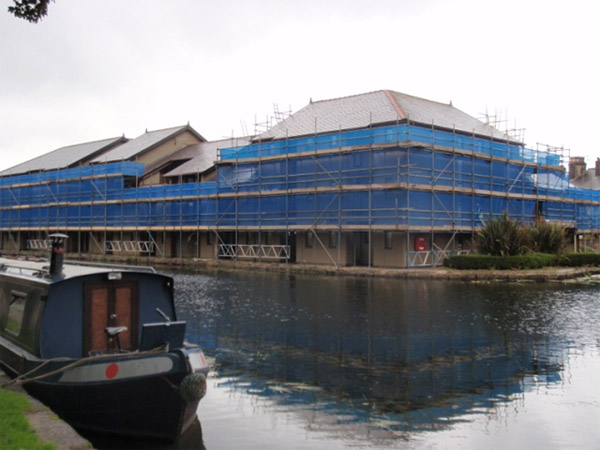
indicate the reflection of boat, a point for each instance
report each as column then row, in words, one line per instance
column 93, row 343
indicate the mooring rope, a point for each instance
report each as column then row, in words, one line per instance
column 23, row 378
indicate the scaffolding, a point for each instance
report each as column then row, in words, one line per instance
column 402, row 178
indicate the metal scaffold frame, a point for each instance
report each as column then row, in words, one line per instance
column 406, row 179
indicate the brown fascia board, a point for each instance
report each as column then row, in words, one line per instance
column 170, row 136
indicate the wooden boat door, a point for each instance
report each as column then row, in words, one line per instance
column 111, row 304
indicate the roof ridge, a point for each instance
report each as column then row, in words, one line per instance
column 394, row 101
column 347, row 96
column 86, row 143
column 425, row 99
column 165, row 129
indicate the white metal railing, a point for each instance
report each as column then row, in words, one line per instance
column 129, row 246
column 37, row 244
column 254, row 251
column 432, row 258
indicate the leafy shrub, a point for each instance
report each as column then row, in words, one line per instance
column 487, row 262
column 547, row 238
column 503, row 237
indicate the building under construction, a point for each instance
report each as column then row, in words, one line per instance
column 381, row 179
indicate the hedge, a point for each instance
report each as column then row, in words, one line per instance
column 475, row 262
column 578, row 259
column 526, row 261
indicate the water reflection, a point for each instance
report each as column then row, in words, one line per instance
column 313, row 362
column 393, row 355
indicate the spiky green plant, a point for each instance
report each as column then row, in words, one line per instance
column 504, row 237
column 548, row 238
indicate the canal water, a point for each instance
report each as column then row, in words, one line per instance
column 305, row 362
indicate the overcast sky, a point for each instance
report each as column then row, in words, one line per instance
column 94, row 69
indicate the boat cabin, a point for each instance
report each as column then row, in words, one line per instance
column 81, row 311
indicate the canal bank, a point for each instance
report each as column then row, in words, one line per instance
column 547, row 274
column 46, row 425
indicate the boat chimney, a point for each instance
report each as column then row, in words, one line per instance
column 56, row 257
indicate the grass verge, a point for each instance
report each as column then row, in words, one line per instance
column 15, row 432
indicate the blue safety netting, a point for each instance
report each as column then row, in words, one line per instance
column 389, row 185
column 392, row 134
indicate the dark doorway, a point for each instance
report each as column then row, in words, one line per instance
column 112, row 304
column 362, row 248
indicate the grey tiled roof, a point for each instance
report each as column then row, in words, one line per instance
column 142, row 143
column 65, row 157
column 375, row 108
column 205, row 155
column 587, row 180
column 184, row 153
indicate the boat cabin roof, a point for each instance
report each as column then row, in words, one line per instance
column 39, row 269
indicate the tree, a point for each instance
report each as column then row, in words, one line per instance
column 31, row 10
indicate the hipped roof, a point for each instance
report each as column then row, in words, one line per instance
column 376, row 108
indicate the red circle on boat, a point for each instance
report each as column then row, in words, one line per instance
column 112, row 370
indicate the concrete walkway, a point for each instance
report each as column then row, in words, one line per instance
column 547, row 274
column 47, row 425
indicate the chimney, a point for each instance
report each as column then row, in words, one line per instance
column 597, row 171
column 56, row 257
column 577, row 167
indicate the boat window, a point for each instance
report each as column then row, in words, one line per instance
column 16, row 312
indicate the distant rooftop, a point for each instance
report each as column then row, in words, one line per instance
column 65, row 157
column 205, row 155
column 143, row 143
column 376, row 108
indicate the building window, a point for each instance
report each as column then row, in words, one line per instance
column 310, row 239
column 387, row 237
column 209, row 238
column 333, row 239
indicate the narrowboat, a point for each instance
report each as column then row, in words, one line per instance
column 100, row 345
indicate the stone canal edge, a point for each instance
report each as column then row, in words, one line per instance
column 47, row 425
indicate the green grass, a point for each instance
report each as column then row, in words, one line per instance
column 15, row 432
